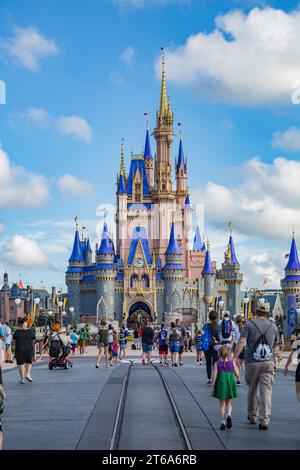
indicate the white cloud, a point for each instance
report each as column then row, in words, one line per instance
column 264, row 203
column 28, row 46
column 75, row 126
column 248, row 59
column 25, row 253
column 127, row 56
column 263, row 265
column 136, row 5
column 20, row 188
column 288, row 140
column 69, row 185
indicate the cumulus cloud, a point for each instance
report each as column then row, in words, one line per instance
column 127, row 56
column 25, row 253
column 248, row 59
column 288, row 140
column 69, row 185
column 20, row 188
column 75, row 126
column 28, row 47
column 264, row 203
column 263, row 265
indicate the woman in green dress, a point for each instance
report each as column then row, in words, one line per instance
column 224, row 385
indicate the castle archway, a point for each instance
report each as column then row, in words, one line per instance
column 139, row 311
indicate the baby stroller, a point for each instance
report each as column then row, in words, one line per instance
column 59, row 355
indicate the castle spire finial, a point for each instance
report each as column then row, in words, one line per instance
column 76, row 223
column 163, row 109
column 230, row 227
column 122, row 165
column 293, row 230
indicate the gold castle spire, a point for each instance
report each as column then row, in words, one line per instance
column 122, row 165
column 165, row 106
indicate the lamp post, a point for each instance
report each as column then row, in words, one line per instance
column 63, row 314
column 221, row 305
column 71, row 310
column 18, row 303
column 36, row 301
column 246, row 301
column 59, row 319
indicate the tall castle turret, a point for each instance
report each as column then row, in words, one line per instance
column 105, row 273
column 233, row 277
column 209, row 281
column 74, row 272
column 291, row 289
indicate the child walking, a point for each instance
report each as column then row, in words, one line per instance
column 224, row 385
column 115, row 349
column 198, row 342
column 122, row 345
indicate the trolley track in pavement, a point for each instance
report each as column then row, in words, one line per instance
column 175, row 419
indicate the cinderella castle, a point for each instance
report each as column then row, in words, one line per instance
column 151, row 270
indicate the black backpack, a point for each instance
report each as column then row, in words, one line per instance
column 226, row 328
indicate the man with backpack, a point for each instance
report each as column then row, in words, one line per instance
column 226, row 330
column 261, row 338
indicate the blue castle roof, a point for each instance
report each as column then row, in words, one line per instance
column 121, row 185
column 181, row 159
column 106, row 247
column 173, row 247
column 198, row 245
column 208, row 269
column 233, row 258
column 293, row 262
column 147, row 151
column 187, row 203
column 88, row 246
column 77, row 252
column 137, row 164
column 139, row 233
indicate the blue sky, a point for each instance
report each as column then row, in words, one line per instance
column 95, row 60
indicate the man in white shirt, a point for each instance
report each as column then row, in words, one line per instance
column 227, row 330
column 8, row 339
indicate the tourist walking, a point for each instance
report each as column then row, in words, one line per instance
column 122, row 343
column 199, row 343
column 224, row 385
column 174, row 343
column 110, row 342
column 45, row 343
column 227, row 330
column 74, row 339
column 2, row 392
column 24, row 350
column 182, row 339
column 140, row 336
column 295, row 358
column 211, row 343
column 82, row 340
column 237, row 333
column 8, row 340
column 147, row 343
column 261, row 338
column 115, row 348
column 162, row 339
column 102, row 343
column 136, row 338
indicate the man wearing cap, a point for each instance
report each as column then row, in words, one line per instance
column 226, row 330
column 260, row 335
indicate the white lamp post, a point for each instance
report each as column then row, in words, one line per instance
column 18, row 303
column 71, row 309
column 221, row 305
column 246, row 301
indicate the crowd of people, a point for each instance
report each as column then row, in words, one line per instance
column 228, row 348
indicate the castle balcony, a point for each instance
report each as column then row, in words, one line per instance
column 140, row 291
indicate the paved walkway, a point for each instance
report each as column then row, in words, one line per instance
column 75, row 408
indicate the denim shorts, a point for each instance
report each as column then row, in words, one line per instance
column 147, row 347
column 174, row 346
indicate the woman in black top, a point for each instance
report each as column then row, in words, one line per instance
column 24, row 338
column 211, row 356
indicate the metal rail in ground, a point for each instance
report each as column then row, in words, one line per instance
column 181, row 427
column 115, row 436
